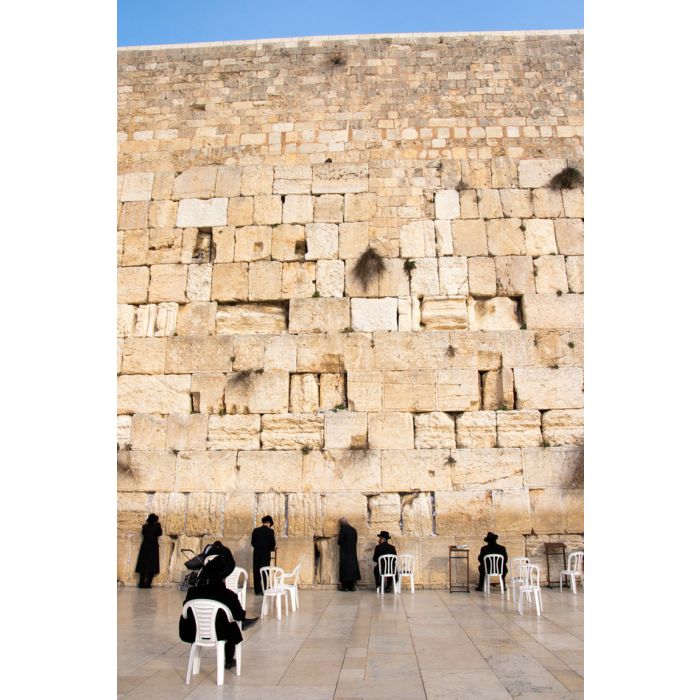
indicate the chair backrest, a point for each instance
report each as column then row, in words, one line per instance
column 272, row 577
column 576, row 562
column 387, row 564
column 233, row 580
column 204, row 611
column 294, row 576
column 532, row 575
column 517, row 564
column 208, row 558
column 493, row 564
column 406, row 564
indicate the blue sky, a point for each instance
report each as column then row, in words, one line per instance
column 142, row 22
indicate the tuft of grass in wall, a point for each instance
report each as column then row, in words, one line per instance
column 571, row 344
column 338, row 407
column 369, row 266
column 336, row 60
column 316, row 294
column 305, row 450
column 567, row 179
column 554, row 366
column 245, row 376
column 545, row 443
column 347, row 329
column 461, row 186
column 450, row 461
column 409, row 266
column 222, row 411
column 451, row 351
column 522, row 226
column 559, row 292
column 503, row 407
column 523, row 326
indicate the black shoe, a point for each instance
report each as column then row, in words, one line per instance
column 249, row 622
column 478, row 589
column 230, row 664
column 256, row 593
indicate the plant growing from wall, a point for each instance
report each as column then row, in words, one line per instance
column 408, row 267
column 567, row 179
column 369, row 266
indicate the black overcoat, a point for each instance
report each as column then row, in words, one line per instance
column 381, row 549
column 217, row 590
column 493, row 548
column 349, row 566
column 148, row 561
column 263, row 543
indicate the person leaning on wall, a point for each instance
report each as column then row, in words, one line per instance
column 148, row 561
column 263, row 543
column 349, row 569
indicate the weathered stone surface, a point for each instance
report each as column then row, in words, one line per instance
column 134, row 248
column 498, row 314
column 273, row 471
column 345, row 430
column 417, row 239
column 233, row 433
column 198, row 354
column 434, row 430
column 573, row 203
column 547, row 203
column 321, row 241
column 292, row 179
column 469, row 207
column 469, row 237
column 390, row 430
column 257, row 392
column 264, row 280
column 374, row 314
column 543, row 387
column 504, row 172
column 202, row 212
column 476, row 429
column 204, row 513
column 186, row 431
column 328, row 209
column 256, row 179
column 340, row 178
column 467, row 514
column 408, row 470
column 204, row 471
column 228, row 181
column 251, row 318
column 444, row 313
column 319, row 315
column 143, row 356
column 253, row 243
column 572, row 501
column 546, row 510
column 267, row 209
column 365, row 390
column 574, row 273
column 341, row 470
column 487, row 468
column 133, row 215
column 560, row 467
column 168, row 283
column 195, row 183
column 156, row 320
column 132, row 285
column 482, row 277
column 453, row 275
column 443, row 237
column 550, row 274
column 569, row 234
column 516, row 202
column 298, row 279
column 538, row 173
column 124, row 430
column 353, row 240
column 153, row 394
column 149, row 471
column 514, row 275
column 447, row 204
column 332, row 391
column 457, row 389
column 303, row 393
column 384, row 511
column 563, row 427
column 298, row 209
column 360, row 207
column 148, row 431
column 505, row 237
column 126, row 318
column 497, row 391
column 164, row 246
column 240, row 211
column 553, row 311
column 288, row 242
column 489, row 202
column 416, row 516
column 239, row 513
column 409, row 390
column 136, row 187
column 424, row 278
column 198, row 318
column 519, row 428
column 199, row 282
column 481, row 349
column 330, row 278
column 209, row 386
column 511, row 510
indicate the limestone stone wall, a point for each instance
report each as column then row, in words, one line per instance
column 258, row 373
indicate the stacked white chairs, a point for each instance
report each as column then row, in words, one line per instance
column 530, row 587
column 573, row 571
column 290, row 583
column 204, row 612
column 493, row 566
column 518, row 576
column 406, row 566
column 387, row 569
column 273, row 588
column 237, row 581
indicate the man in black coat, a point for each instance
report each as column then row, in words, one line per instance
column 148, row 561
column 491, row 548
column 383, row 548
column 263, row 542
column 214, row 588
column 221, row 550
column 349, row 566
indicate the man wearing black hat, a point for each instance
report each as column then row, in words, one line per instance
column 214, row 588
column 491, row 548
column 382, row 548
column 263, row 542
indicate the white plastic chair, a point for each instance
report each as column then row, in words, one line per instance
column 406, row 566
column 531, row 586
column 493, row 566
column 204, row 611
column 234, row 583
column 387, row 569
column 518, row 576
column 573, row 570
column 290, row 583
column 272, row 578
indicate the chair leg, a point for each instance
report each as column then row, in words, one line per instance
column 520, row 601
column 487, row 587
column 197, row 660
column 538, row 602
column 190, row 664
column 561, row 583
column 500, row 580
column 239, row 653
column 412, row 585
column 573, row 583
column 278, row 600
column 220, row 663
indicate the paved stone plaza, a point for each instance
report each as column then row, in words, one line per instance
column 352, row 646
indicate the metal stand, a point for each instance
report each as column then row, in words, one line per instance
column 554, row 549
column 456, row 554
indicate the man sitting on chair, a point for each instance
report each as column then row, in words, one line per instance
column 383, row 548
column 491, row 548
column 214, row 588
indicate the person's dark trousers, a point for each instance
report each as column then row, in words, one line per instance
column 229, row 651
column 257, row 579
column 482, row 576
column 347, row 585
column 377, row 580
column 145, row 580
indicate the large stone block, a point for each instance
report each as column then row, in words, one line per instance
column 331, row 391
column 228, row 181
column 569, row 234
column 516, row 203
column 136, row 187
column 199, row 282
column 402, row 350
column 476, row 429
column 497, row 390
column 384, row 511
column 256, row 179
column 519, row 428
column 343, row 471
column 288, row 242
column 560, row 467
column 469, row 207
column 321, row 241
column 148, row 431
column 157, row 320
column 164, row 246
column 239, row 514
column 240, row 211
column 390, row 430
column 538, row 173
column 573, row 203
column 544, row 387
column 514, row 275
column 424, row 278
column 292, row 179
column 550, row 274
column 353, row 240
column 563, row 427
column 340, row 178
column 457, row 389
column 546, row 507
column 153, row 394
column 197, row 318
column 409, row 390
column 143, row 356
column 434, row 430
column 409, row 470
column 265, row 280
column 298, row 209
column 202, row 212
column 195, row 183
column 443, row 237
column 134, row 248
column 453, row 276
column 505, row 237
column 299, row 279
column 417, row 239
column 360, row 207
column 504, row 172
column 209, row 388
column 292, row 430
column 321, row 352
column 168, row 283
column 480, row 349
column 574, row 273
column 365, row 390
column 199, row 354
column 374, row 314
column 251, row 318
column 482, row 277
column 444, row 313
column 132, row 285
column 204, row 514
column 497, row 314
column 328, row 209
column 267, row 209
column 303, row 393
column 511, row 510
column 572, row 503
column 553, row 311
column 489, row 202
column 133, row 215
column 126, row 318
column 257, row 392
column 187, row 431
column 487, row 468
column 319, row 315
column 253, row 243
column 351, row 505
column 434, row 556
column 330, row 278
column 233, row 433
column 467, row 514
column 148, row 471
column 416, row 516
column 297, row 550
column 447, row 204
column 272, row 471
column 547, row 203
column 345, row 430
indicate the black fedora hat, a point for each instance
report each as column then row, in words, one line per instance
column 268, row 519
column 384, row 534
column 490, row 537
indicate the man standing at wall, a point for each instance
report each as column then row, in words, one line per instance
column 263, row 542
column 349, row 570
column 383, row 548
